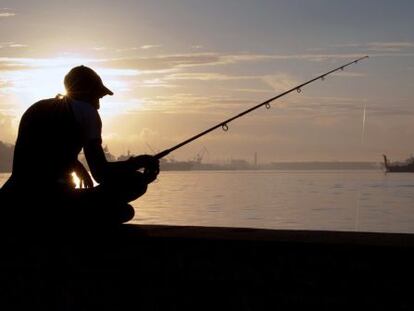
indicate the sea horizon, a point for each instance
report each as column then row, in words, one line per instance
column 338, row 200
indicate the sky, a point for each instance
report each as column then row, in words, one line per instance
column 178, row 67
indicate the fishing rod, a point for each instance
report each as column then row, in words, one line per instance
column 224, row 124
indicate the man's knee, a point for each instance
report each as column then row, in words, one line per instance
column 142, row 188
column 135, row 191
column 127, row 213
column 125, row 188
column 134, row 186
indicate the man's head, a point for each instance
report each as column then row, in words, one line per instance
column 83, row 83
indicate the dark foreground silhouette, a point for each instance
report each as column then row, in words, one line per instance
column 193, row 268
column 52, row 132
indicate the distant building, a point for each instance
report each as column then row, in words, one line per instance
column 336, row 165
column 239, row 164
column 109, row 156
column 172, row 165
column 124, row 157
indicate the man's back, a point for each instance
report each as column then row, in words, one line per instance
column 47, row 145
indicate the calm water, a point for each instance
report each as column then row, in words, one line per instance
column 334, row 200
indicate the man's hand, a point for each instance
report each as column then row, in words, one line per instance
column 150, row 164
column 143, row 161
column 85, row 179
column 151, row 173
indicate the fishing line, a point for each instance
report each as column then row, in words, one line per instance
column 363, row 124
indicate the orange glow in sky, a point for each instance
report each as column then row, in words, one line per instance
column 175, row 71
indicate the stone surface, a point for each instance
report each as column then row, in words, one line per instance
column 135, row 267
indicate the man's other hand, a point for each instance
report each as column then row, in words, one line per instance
column 83, row 175
column 144, row 161
column 150, row 164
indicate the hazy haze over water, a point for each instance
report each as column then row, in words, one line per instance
column 316, row 200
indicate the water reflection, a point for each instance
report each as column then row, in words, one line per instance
column 321, row 200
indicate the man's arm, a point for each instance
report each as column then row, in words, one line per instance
column 96, row 160
column 101, row 168
column 91, row 126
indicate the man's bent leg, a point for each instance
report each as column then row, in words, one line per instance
column 108, row 202
column 123, row 188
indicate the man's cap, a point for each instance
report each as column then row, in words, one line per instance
column 83, row 80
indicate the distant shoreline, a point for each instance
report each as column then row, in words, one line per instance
column 244, row 166
column 6, row 162
column 298, row 168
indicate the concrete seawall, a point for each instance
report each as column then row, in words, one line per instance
column 137, row 267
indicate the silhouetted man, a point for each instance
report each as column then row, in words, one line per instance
column 52, row 132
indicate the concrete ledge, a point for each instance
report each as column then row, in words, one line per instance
column 280, row 236
column 142, row 267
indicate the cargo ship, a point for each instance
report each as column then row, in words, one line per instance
column 399, row 167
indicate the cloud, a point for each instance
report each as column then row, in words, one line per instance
column 11, row 64
column 399, row 111
column 234, row 58
column 5, row 12
column 16, row 63
column 252, row 90
column 192, row 103
column 148, row 134
column 385, row 46
column 18, row 45
column 349, row 74
column 280, row 82
column 4, row 85
column 388, row 46
column 12, row 45
column 173, row 62
column 7, row 131
column 156, row 82
column 99, row 48
column 332, row 105
column 142, row 47
column 208, row 76
column 401, row 44
column 127, row 49
column 164, row 62
column 315, row 106
column 150, row 46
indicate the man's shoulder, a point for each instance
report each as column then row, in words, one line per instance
column 43, row 102
column 46, row 101
column 41, row 105
column 83, row 109
column 88, row 120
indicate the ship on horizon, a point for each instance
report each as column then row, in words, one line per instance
column 399, row 167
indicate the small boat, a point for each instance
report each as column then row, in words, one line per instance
column 404, row 167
